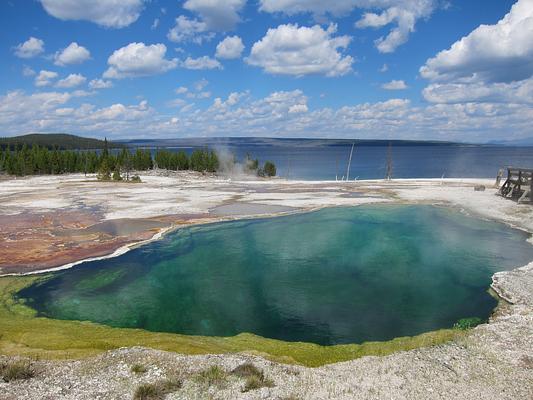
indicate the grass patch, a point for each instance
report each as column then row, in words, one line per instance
column 156, row 391
column 147, row 391
column 255, row 377
column 170, row 385
column 138, row 369
column 16, row 370
column 467, row 323
column 25, row 334
column 246, row 370
column 212, row 376
column 255, row 382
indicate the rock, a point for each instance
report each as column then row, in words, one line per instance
column 479, row 188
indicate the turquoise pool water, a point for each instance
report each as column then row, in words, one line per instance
column 340, row 275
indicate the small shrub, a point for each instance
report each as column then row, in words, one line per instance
column 269, row 169
column 156, row 391
column 147, row 391
column 17, row 370
column 255, row 378
column 116, row 175
column 467, row 323
column 247, row 369
column 170, row 385
column 214, row 375
column 135, row 179
column 257, row 382
column 104, row 177
column 138, row 369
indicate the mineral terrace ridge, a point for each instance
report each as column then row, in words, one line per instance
column 52, row 222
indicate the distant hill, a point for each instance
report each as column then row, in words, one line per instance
column 61, row 141
column 517, row 142
column 284, row 142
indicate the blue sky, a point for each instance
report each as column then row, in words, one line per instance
column 411, row 69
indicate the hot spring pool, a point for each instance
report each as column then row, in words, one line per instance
column 339, row 275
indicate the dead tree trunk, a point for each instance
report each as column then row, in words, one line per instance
column 388, row 174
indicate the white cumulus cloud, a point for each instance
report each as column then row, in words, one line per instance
column 298, row 108
column 100, row 84
column 317, row 7
column 176, row 103
column 27, row 71
column 72, row 54
column 243, row 115
column 71, row 81
column 189, row 30
column 203, row 95
column 401, row 13
column 18, row 106
column 282, row 101
column 230, row 48
column 293, row 50
column 30, row 48
column 491, row 53
column 479, row 92
column 108, row 13
column 394, row 85
column 204, row 62
column 219, row 15
column 138, row 59
column 45, row 78
column 201, row 84
column 233, row 99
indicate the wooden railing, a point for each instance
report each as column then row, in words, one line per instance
column 519, row 184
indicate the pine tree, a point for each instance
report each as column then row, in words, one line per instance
column 116, row 174
column 104, row 172
column 105, row 151
column 182, row 161
column 269, row 169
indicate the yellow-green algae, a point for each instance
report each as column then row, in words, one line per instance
column 25, row 334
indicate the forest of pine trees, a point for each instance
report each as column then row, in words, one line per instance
column 199, row 160
column 37, row 160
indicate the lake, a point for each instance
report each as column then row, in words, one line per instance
column 316, row 159
column 339, row 275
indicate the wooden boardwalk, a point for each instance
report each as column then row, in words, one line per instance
column 519, row 184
